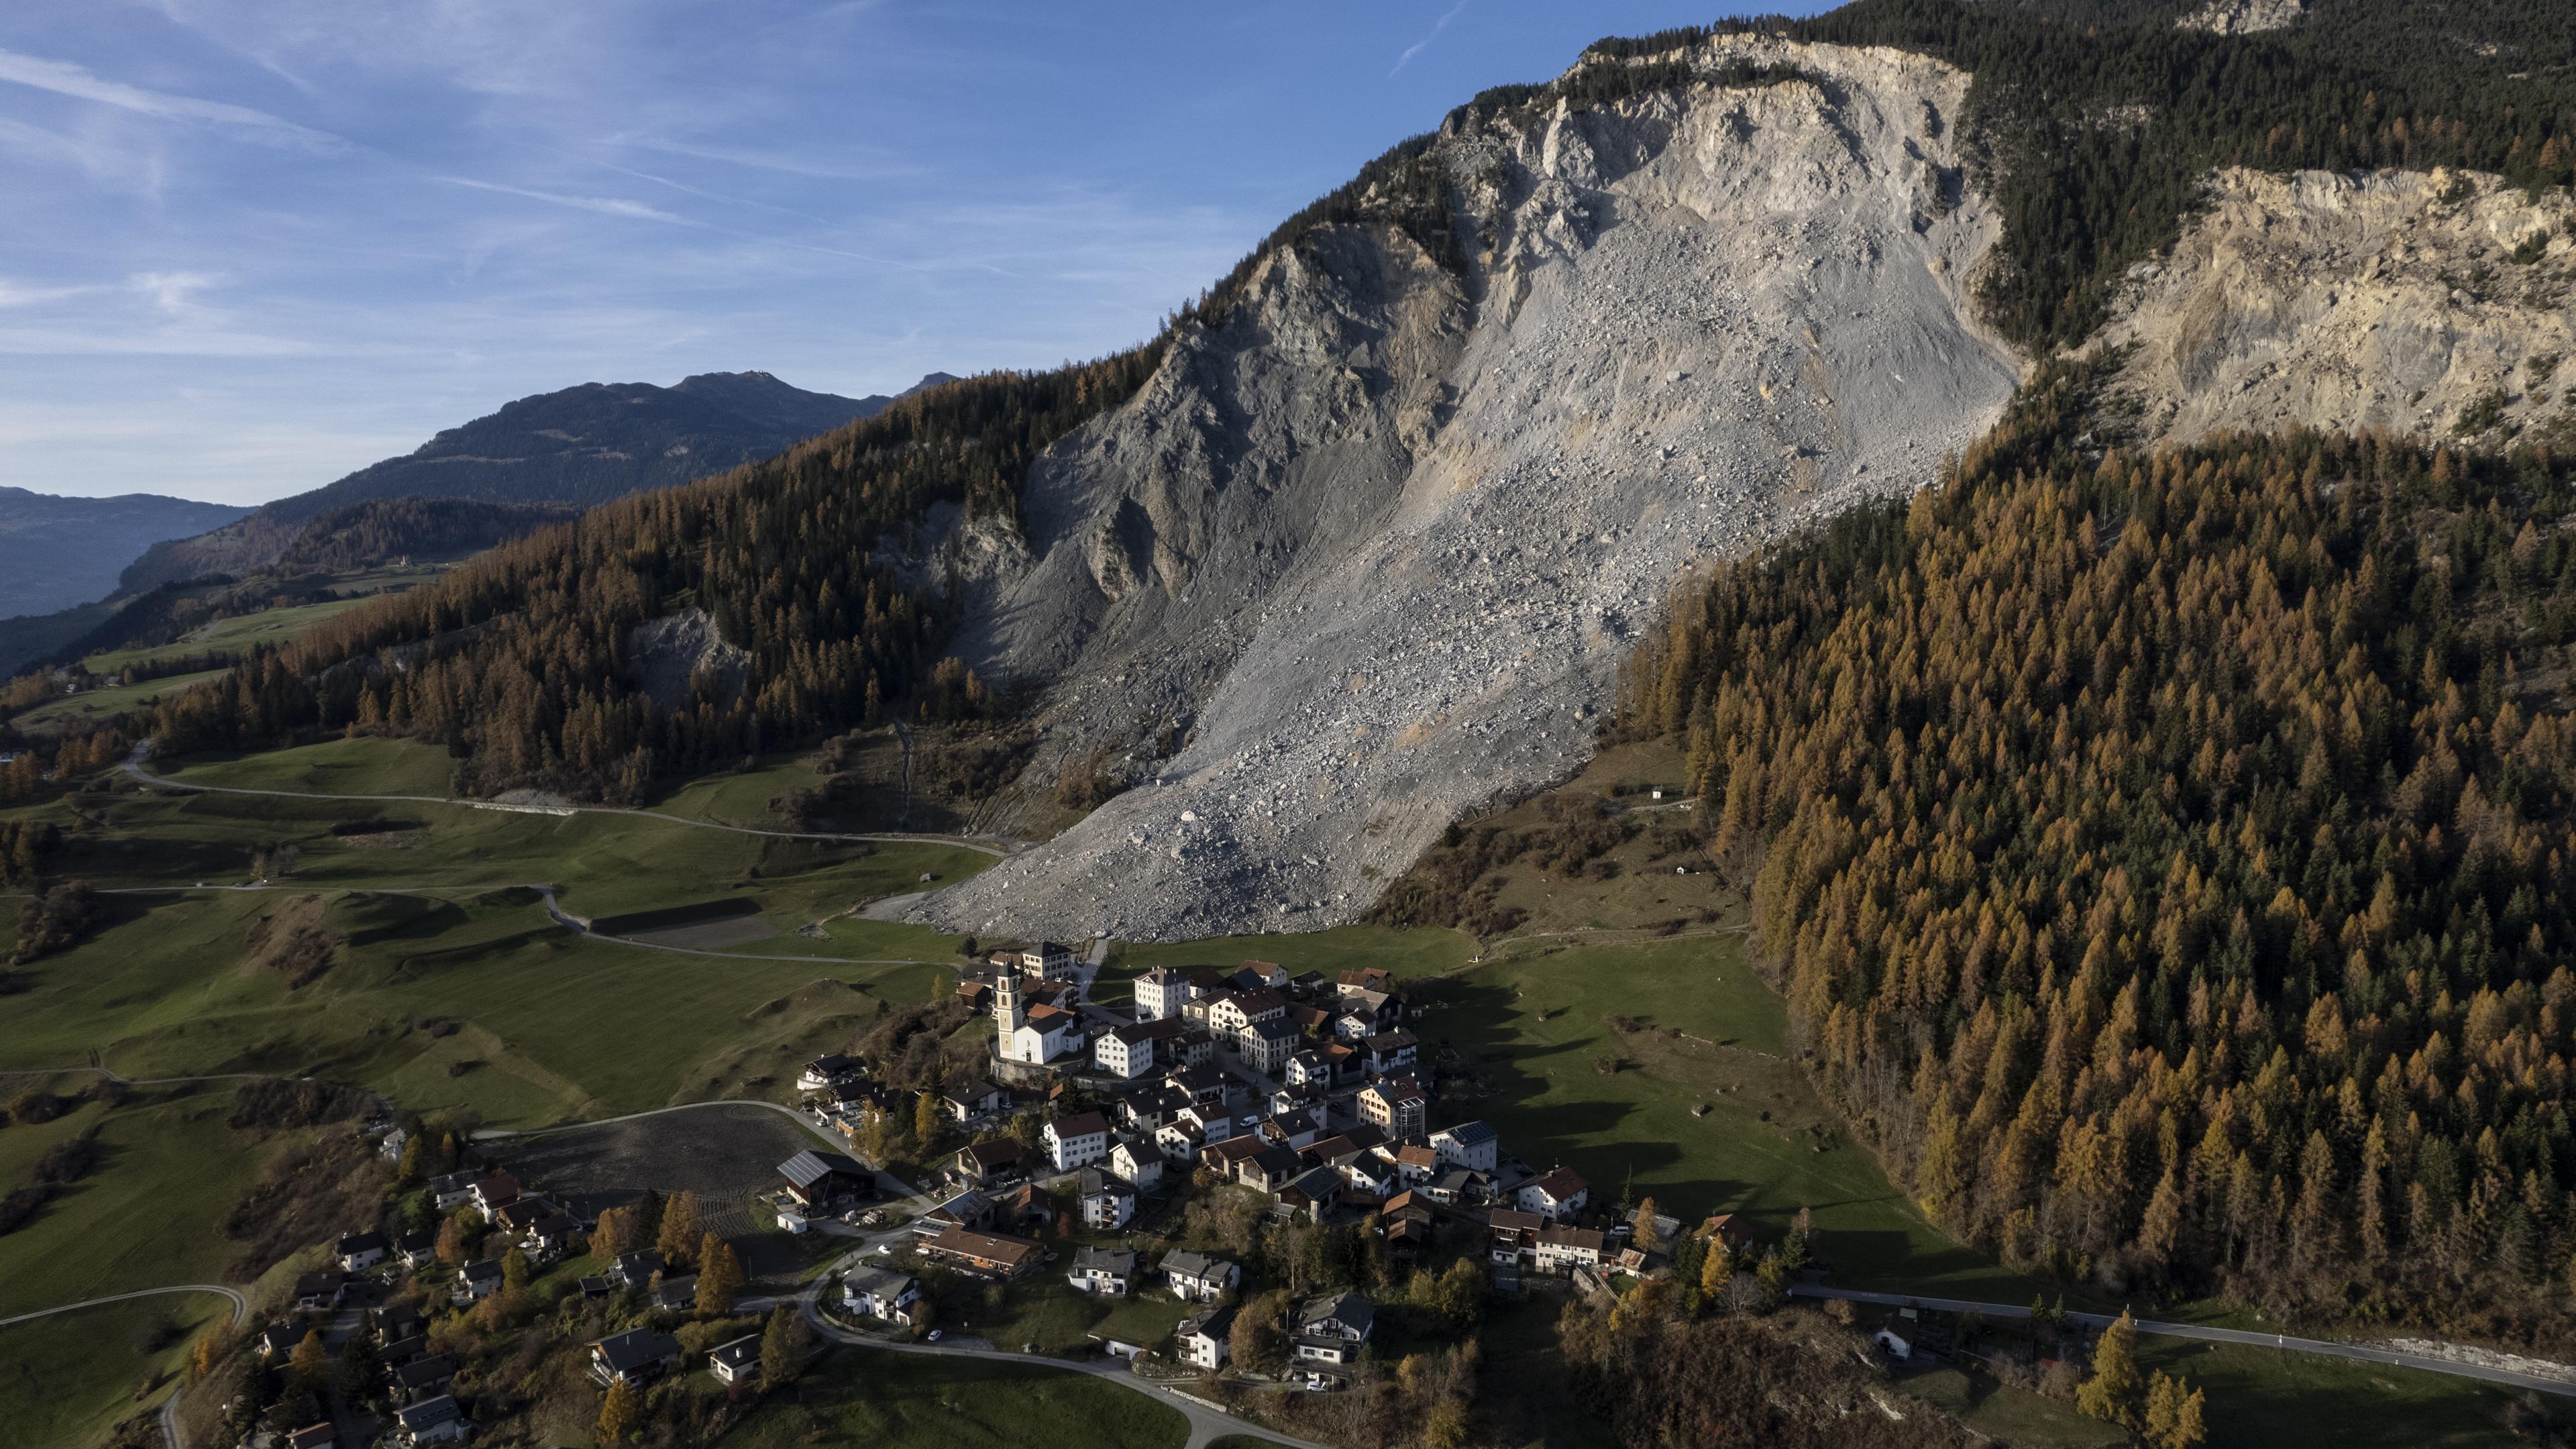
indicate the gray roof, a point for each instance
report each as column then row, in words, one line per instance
column 809, row 1167
column 740, row 1353
column 1216, row 1323
column 1186, row 1264
column 430, row 1414
column 1107, row 1260
column 636, row 1347
column 1094, row 1183
column 477, row 1272
column 1471, row 1134
column 1349, row 1308
column 883, row 1282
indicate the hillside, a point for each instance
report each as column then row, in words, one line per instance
column 580, row 446
column 56, row 552
column 1356, row 548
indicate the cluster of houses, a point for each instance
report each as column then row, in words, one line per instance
column 425, row 1412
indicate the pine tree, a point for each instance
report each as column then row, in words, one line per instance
column 782, row 1348
column 2111, row 1394
column 925, row 1122
column 1645, row 1239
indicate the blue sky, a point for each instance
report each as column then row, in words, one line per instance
column 253, row 244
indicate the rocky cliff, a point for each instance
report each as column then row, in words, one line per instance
column 1363, row 556
column 2414, row 302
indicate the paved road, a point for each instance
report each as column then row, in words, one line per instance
column 241, row 1305
column 134, row 768
column 1207, row 1424
column 2357, row 1352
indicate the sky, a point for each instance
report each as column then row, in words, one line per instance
column 251, row 245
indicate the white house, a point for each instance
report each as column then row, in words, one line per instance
column 1198, row 1278
column 1104, row 1272
column 737, row 1362
column 1309, row 1070
column 974, row 1099
column 1471, row 1145
column 1557, row 1194
column 1138, row 1161
column 1128, row 1052
column 360, row 1251
column 881, row 1293
column 1032, row 1035
column 1562, row 1249
column 1107, row 1203
column 1330, row 1330
column 829, row 1070
column 1162, row 992
column 1075, row 1142
column 1207, row 1340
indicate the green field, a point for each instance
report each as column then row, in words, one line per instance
column 227, row 637
column 144, row 1217
column 2261, row 1397
column 921, row 1402
column 365, row 765
column 96, row 706
column 70, row 1378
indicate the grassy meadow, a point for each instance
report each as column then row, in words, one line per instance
column 70, row 1378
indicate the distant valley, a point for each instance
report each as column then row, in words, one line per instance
column 56, row 552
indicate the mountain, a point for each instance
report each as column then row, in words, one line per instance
column 58, row 552
column 580, row 446
column 1359, row 547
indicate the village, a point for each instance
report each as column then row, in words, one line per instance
column 1252, row 1159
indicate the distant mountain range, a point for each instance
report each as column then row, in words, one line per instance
column 56, row 552
column 580, row 446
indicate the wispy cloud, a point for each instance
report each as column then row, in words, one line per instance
column 1416, row 47
column 604, row 205
column 66, row 79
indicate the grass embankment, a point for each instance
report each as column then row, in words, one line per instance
column 920, row 1402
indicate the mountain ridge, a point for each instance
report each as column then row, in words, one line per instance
column 578, row 445
column 58, row 551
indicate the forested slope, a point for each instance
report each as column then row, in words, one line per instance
column 518, row 660
column 2168, row 858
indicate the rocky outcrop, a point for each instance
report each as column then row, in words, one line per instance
column 2244, row 17
column 2397, row 300
column 1364, row 557
column 680, row 654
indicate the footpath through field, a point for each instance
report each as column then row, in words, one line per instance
column 2358, row 1352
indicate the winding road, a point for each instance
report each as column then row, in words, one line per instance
column 2357, row 1352
column 134, row 767
column 241, row 1305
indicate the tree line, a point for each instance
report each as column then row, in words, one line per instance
column 2166, row 857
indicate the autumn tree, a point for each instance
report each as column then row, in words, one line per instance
column 719, row 1276
column 678, row 1239
column 2174, row 1415
column 1645, row 1240
column 616, row 1234
column 2111, row 1394
column 620, row 1414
